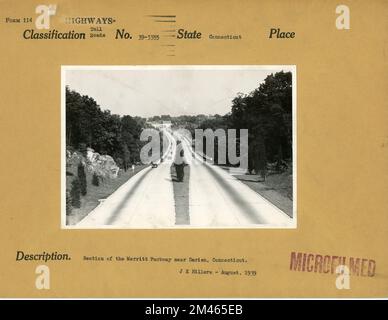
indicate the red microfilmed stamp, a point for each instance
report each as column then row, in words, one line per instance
column 342, row 266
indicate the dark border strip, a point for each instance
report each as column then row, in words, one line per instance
column 161, row 16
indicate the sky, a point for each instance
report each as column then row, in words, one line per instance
column 175, row 91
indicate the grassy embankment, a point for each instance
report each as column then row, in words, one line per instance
column 96, row 193
column 277, row 188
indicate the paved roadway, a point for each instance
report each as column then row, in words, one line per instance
column 216, row 199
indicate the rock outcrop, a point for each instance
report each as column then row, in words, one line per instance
column 103, row 165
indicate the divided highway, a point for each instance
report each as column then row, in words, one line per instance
column 216, row 199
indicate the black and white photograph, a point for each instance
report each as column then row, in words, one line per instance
column 149, row 147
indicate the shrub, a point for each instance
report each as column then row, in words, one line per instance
column 75, row 193
column 68, row 202
column 95, row 180
column 82, row 178
column 83, row 149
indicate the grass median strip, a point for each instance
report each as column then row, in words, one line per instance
column 181, row 196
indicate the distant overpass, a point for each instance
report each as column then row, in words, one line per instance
column 160, row 124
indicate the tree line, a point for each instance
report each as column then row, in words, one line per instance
column 267, row 114
column 89, row 126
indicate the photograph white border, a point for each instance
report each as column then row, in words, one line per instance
column 65, row 68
